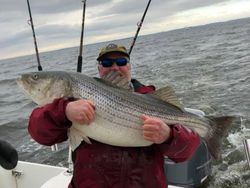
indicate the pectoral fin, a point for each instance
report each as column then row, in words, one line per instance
column 76, row 137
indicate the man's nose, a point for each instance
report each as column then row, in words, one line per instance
column 115, row 67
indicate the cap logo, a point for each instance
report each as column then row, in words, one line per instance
column 111, row 46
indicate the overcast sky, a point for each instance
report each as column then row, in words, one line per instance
column 58, row 22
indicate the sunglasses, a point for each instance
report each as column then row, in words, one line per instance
column 109, row 62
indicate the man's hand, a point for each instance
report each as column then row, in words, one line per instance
column 81, row 111
column 155, row 130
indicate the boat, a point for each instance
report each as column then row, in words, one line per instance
column 179, row 175
column 35, row 175
column 21, row 174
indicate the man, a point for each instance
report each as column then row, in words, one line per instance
column 98, row 165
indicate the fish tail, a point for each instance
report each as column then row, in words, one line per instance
column 219, row 129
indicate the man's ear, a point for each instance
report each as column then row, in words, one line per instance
column 129, row 65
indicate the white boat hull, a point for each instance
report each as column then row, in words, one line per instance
column 34, row 175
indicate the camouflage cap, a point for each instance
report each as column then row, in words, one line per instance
column 112, row 48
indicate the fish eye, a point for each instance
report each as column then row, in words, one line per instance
column 35, row 76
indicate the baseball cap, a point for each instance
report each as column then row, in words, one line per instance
column 112, row 48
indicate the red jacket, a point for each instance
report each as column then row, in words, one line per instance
column 99, row 165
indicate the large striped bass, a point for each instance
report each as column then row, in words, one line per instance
column 117, row 121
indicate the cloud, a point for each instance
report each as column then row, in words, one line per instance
column 48, row 7
column 162, row 6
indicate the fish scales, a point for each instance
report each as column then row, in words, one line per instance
column 135, row 104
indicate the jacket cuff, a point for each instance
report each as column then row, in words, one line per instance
column 182, row 143
column 67, row 121
column 171, row 136
column 56, row 111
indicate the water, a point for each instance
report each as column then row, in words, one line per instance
column 208, row 66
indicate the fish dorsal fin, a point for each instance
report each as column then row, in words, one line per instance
column 167, row 94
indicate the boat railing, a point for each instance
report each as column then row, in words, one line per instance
column 246, row 143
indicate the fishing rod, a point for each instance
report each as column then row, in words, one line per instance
column 30, row 22
column 139, row 27
column 79, row 62
column 79, row 69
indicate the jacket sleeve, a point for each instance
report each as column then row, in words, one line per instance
column 181, row 145
column 48, row 124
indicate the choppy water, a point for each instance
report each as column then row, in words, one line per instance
column 209, row 67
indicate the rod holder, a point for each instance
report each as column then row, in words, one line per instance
column 246, row 144
column 54, row 147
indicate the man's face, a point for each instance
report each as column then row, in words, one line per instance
column 124, row 71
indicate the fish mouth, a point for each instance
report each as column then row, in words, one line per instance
column 23, row 83
column 19, row 81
